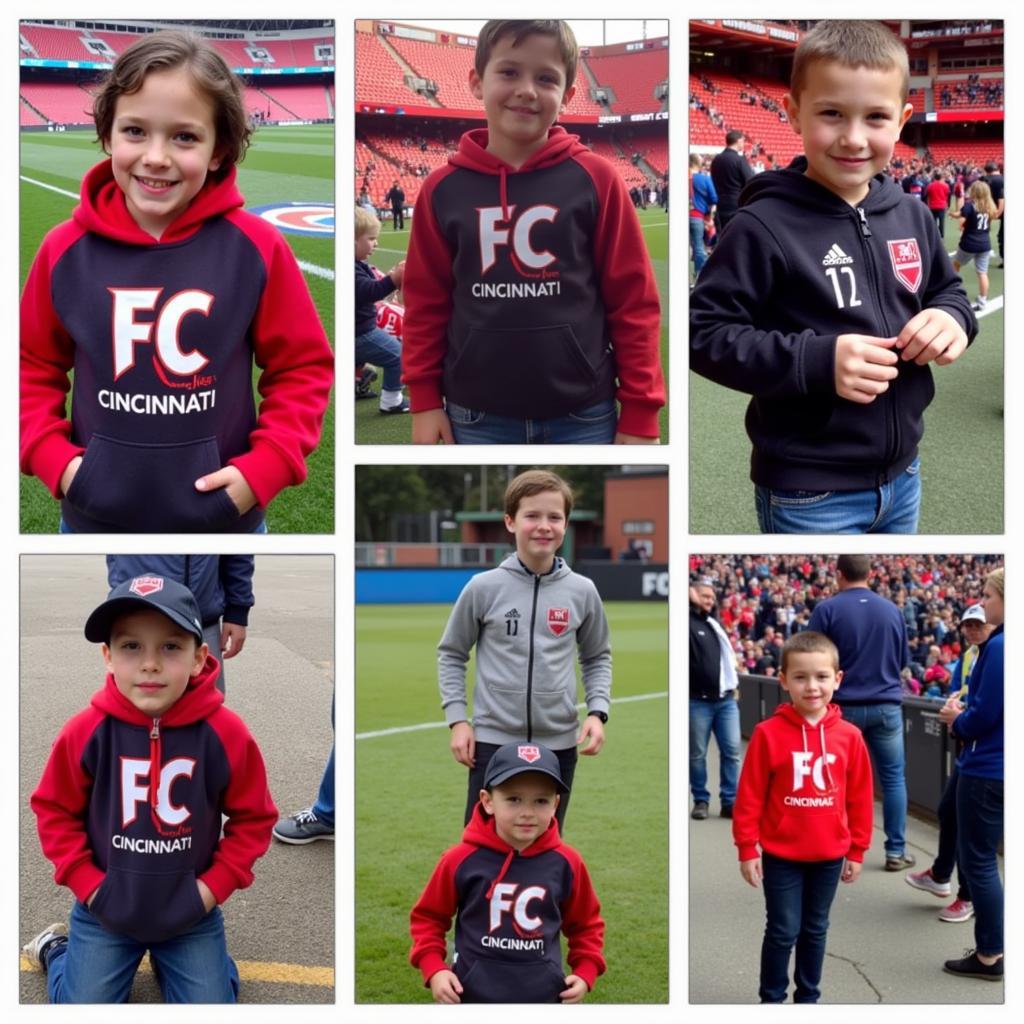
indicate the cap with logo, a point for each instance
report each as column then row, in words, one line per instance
column 973, row 614
column 515, row 758
column 154, row 592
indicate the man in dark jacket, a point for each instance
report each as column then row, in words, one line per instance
column 396, row 197
column 730, row 171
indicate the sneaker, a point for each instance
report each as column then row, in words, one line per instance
column 726, row 811
column 925, row 880
column 900, row 862
column 979, row 306
column 958, row 910
column 35, row 951
column 700, row 810
column 390, row 410
column 969, row 966
column 304, row 827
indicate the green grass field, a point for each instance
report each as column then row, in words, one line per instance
column 373, row 428
column 961, row 453
column 282, row 165
column 410, row 795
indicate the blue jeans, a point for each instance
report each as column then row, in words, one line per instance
column 700, row 256
column 383, row 350
column 723, row 718
column 979, row 816
column 946, row 858
column 324, row 806
column 98, row 966
column 592, row 425
column 882, row 726
column 889, row 508
column 797, row 896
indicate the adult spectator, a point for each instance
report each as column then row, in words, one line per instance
column 936, row 196
column 703, row 198
column 730, row 172
column 713, row 706
column 396, row 197
column 869, row 632
column 994, row 178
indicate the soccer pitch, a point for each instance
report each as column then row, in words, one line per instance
column 373, row 428
column 286, row 164
column 410, row 795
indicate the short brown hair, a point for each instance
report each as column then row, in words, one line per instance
column 854, row 44
column 535, row 481
column 809, row 642
column 568, row 48
column 165, row 51
column 855, row 568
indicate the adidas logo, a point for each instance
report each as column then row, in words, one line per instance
column 514, row 614
column 836, row 257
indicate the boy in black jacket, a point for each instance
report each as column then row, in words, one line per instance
column 828, row 297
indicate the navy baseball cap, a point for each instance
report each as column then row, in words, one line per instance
column 154, row 592
column 515, row 758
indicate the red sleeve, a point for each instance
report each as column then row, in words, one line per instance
column 427, row 289
column 47, row 355
column 431, row 918
column 291, row 348
column 60, row 802
column 755, row 779
column 630, row 297
column 583, row 925
column 860, row 808
column 250, row 811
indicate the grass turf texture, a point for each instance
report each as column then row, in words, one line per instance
column 282, row 165
column 373, row 428
column 410, row 796
column 961, row 452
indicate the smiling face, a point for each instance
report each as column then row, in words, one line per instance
column 849, row 120
column 810, row 680
column 162, row 147
column 152, row 659
column 522, row 807
column 539, row 528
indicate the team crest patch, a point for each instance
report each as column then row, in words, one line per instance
column 310, row 219
column 529, row 754
column 905, row 256
column 146, row 585
column 558, row 620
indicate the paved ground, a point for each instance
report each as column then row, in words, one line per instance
column 886, row 943
column 281, row 929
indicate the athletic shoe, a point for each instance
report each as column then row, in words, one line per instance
column 390, row 410
column 971, row 967
column 304, row 827
column 900, row 862
column 700, row 810
column 958, row 910
column 726, row 811
column 36, row 950
column 979, row 305
column 366, row 378
column 926, row 881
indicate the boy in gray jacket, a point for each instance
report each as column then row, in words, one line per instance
column 527, row 618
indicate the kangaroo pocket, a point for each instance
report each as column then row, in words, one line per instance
column 149, row 488
column 554, row 710
column 528, row 373
column 493, row 981
column 147, row 907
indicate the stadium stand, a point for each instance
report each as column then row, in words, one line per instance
column 55, row 43
column 60, row 102
column 378, row 77
column 449, row 66
column 966, row 151
column 27, row 116
column 117, row 41
column 301, row 101
column 632, row 77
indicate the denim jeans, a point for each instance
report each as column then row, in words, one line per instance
column 723, row 718
column 592, row 425
column 324, row 806
column 882, row 726
column 893, row 507
column 700, row 256
column 98, row 966
column 384, row 350
column 797, row 896
column 946, row 859
column 979, row 815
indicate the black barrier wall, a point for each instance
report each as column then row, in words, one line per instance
column 627, row 581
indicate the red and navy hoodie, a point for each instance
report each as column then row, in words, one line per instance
column 797, row 267
column 529, row 291
column 130, row 807
column 162, row 336
column 511, row 908
column 805, row 791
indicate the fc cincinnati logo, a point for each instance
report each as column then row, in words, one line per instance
column 558, row 620
column 314, row 220
column 905, row 256
column 529, row 754
column 146, row 585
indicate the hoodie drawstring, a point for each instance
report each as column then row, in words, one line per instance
column 155, row 758
column 501, row 873
column 824, row 752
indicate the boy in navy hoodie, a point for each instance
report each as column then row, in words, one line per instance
column 828, row 298
column 531, row 304
column 130, row 806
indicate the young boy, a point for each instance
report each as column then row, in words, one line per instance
column 528, row 619
column 531, row 301
column 130, row 805
column 805, row 796
column 828, row 297
column 514, row 888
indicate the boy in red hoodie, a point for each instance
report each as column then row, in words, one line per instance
column 805, row 796
column 130, row 806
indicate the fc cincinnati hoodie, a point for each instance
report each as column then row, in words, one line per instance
column 529, row 290
column 805, row 791
column 162, row 336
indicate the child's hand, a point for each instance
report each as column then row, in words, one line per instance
column 575, row 989
column 851, row 871
column 931, row 335
column 445, row 987
column 751, row 871
column 209, row 900
column 69, row 474
column 864, row 366
column 593, row 733
column 397, row 273
column 238, row 489
column 621, row 438
column 430, row 427
column 463, row 744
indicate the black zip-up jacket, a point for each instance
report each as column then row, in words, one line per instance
column 705, row 658
column 798, row 267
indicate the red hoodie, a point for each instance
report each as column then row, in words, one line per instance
column 162, row 336
column 529, row 291
column 805, row 791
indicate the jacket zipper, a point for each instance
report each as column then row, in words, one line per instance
column 154, row 733
column 529, row 664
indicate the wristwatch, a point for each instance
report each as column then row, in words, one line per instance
column 601, row 716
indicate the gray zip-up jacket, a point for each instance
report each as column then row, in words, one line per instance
column 527, row 630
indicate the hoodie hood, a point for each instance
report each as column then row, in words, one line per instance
column 558, row 571
column 103, row 209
